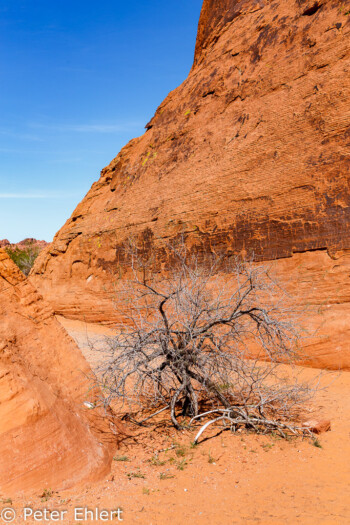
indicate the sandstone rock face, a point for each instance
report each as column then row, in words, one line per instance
column 49, row 439
column 250, row 154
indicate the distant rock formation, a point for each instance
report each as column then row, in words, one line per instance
column 22, row 244
column 49, row 438
column 250, row 155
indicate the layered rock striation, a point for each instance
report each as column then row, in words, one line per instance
column 250, row 155
column 49, row 438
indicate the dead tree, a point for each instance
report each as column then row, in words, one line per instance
column 204, row 340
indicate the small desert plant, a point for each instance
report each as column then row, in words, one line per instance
column 316, row 443
column 204, row 339
column 165, row 475
column 268, row 446
column 131, row 475
column 181, row 465
column 211, row 458
column 46, row 495
column 121, row 458
column 156, row 462
column 25, row 257
column 180, row 450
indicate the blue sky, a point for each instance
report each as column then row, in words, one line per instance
column 78, row 80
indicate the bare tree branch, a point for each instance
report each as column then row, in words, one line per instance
column 203, row 339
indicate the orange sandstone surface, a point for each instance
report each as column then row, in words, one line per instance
column 49, row 438
column 249, row 155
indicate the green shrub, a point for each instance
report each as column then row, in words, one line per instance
column 23, row 257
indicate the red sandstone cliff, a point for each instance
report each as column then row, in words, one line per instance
column 250, row 153
column 49, row 438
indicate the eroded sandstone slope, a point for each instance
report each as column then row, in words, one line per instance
column 250, row 154
column 49, row 438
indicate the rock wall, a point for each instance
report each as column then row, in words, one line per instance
column 250, row 154
column 49, row 438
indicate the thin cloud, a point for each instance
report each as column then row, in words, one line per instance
column 34, row 195
column 20, row 136
column 103, row 128
column 66, row 160
column 90, row 128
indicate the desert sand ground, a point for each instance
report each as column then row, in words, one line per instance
column 227, row 479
